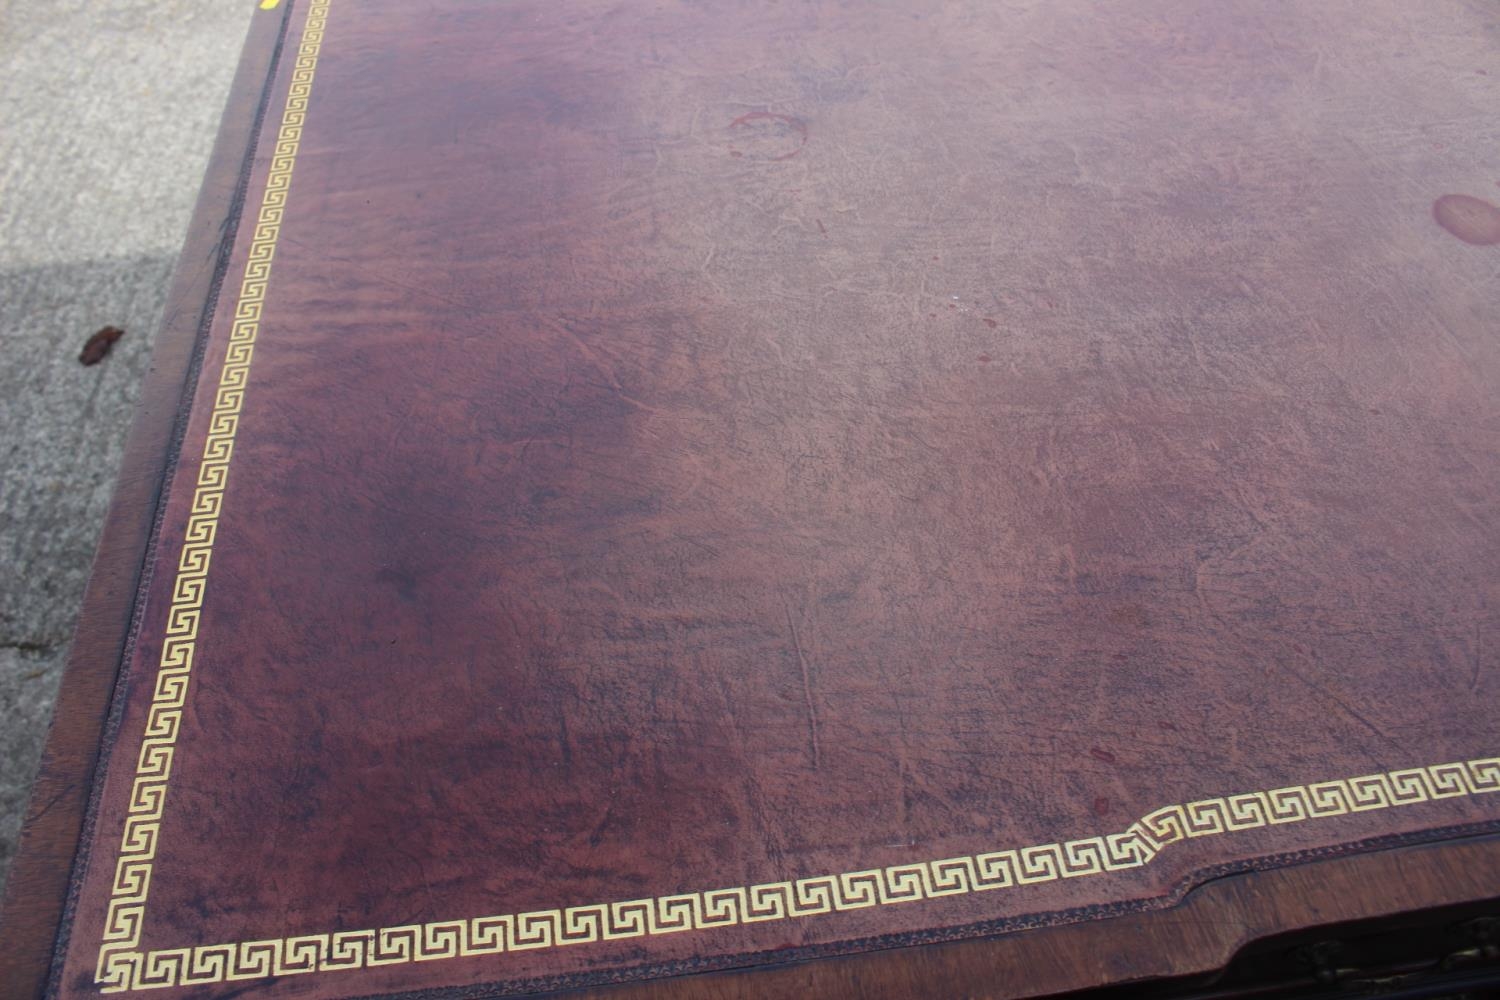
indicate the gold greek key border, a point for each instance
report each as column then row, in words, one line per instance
column 148, row 793
column 804, row 897
column 124, row 966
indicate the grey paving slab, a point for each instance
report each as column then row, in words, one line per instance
column 107, row 115
column 31, row 677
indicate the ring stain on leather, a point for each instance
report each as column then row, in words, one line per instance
column 767, row 136
column 1471, row 219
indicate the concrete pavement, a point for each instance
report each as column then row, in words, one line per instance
column 108, row 112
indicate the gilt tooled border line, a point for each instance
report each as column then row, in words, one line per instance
column 1136, row 847
column 132, row 878
column 123, row 965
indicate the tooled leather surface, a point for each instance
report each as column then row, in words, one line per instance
column 694, row 446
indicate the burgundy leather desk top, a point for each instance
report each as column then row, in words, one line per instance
column 677, row 486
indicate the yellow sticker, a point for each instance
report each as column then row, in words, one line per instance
column 269, row 4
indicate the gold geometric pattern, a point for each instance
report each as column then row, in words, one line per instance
column 803, row 897
column 148, row 793
column 123, row 965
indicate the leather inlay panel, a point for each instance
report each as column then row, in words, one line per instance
column 697, row 447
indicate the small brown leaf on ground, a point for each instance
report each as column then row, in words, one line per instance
column 97, row 346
